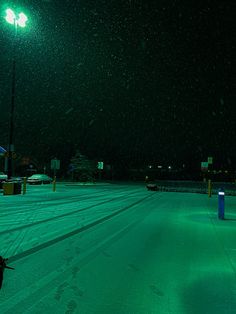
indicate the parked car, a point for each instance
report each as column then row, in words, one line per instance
column 152, row 187
column 39, row 179
column 15, row 180
column 3, row 176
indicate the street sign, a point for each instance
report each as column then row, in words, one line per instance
column 210, row 160
column 55, row 164
column 204, row 165
column 100, row 165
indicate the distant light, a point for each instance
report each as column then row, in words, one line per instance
column 159, row 167
column 169, row 167
column 221, row 193
column 150, row 166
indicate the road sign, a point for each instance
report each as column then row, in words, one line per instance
column 100, row 165
column 55, row 164
column 210, row 160
column 204, row 165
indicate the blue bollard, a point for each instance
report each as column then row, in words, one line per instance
column 221, row 204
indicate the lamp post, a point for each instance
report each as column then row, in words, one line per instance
column 16, row 20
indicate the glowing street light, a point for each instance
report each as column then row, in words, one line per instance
column 12, row 19
column 16, row 19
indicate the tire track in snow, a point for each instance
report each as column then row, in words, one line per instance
column 54, row 279
column 62, row 215
column 57, row 201
column 76, row 231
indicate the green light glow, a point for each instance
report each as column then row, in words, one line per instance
column 22, row 20
column 11, row 18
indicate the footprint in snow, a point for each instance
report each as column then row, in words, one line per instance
column 156, row 290
column 60, row 291
column 75, row 270
column 77, row 291
column 71, row 307
column 133, row 267
column 106, row 254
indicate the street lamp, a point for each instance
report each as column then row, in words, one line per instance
column 16, row 20
column 11, row 18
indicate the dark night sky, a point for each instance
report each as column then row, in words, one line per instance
column 126, row 81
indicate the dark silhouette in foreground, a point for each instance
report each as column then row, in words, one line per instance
column 3, row 265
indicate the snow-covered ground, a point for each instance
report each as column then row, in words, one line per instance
column 117, row 249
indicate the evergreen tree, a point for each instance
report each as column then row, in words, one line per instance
column 84, row 169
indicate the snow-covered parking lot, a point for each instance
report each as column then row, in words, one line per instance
column 117, row 249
